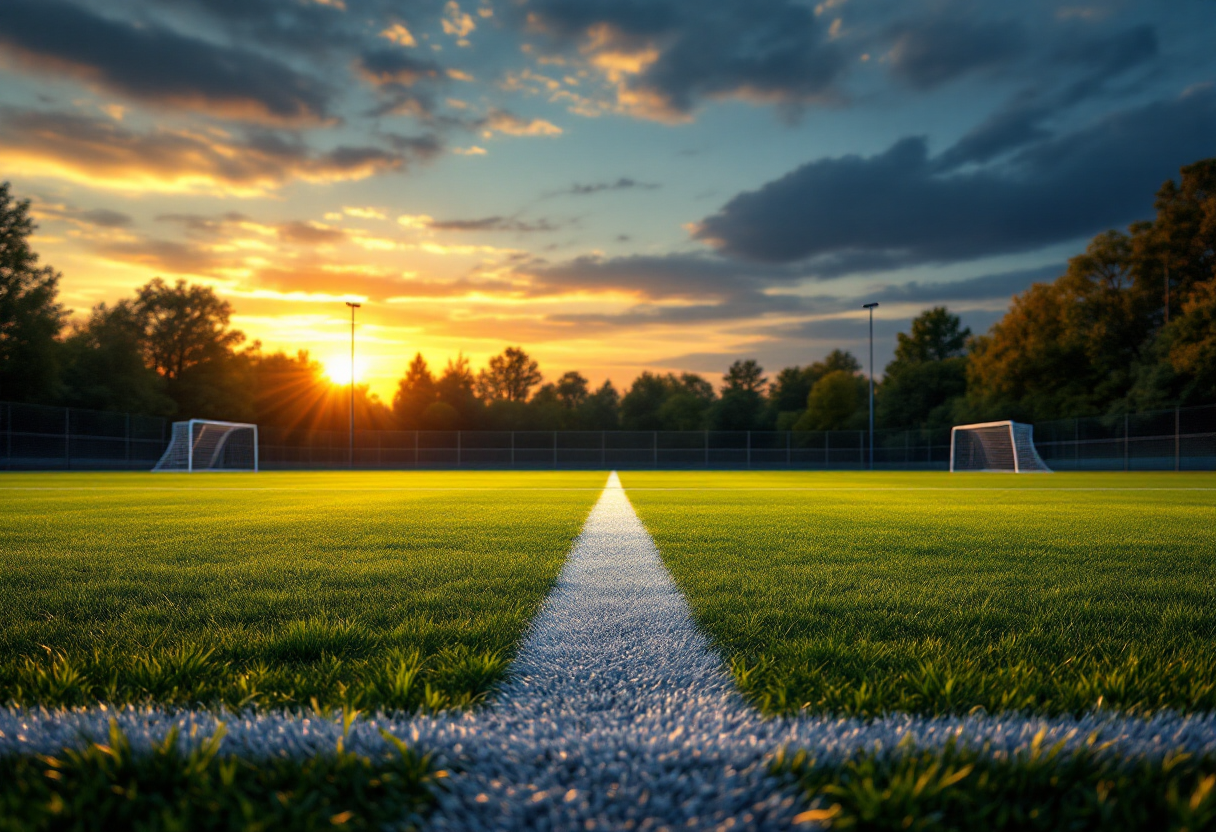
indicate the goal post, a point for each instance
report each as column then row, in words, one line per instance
column 210, row 445
column 995, row 446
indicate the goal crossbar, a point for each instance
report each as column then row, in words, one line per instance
column 211, row 445
column 995, row 446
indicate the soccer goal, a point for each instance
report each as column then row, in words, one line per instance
column 205, row 445
column 995, row 446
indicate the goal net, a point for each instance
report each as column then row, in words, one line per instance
column 995, row 446
column 205, row 445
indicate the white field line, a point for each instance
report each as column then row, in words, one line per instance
column 616, row 711
column 976, row 489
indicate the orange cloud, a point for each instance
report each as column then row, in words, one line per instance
column 107, row 155
column 399, row 35
column 501, row 121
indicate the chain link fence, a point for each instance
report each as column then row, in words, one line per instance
column 603, row 449
column 42, row 438
column 1183, row 439
column 35, row 437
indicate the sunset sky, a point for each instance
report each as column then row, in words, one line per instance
column 614, row 184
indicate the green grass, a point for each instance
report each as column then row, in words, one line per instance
column 401, row 591
column 962, row 789
column 109, row 786
column 858, row 594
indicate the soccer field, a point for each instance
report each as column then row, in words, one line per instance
column 957, row 652
column 859, row 594
column 375, row 590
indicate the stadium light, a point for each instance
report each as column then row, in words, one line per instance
column 871, row 306
column 353, row 307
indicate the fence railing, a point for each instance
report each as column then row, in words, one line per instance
column 604, row 449
column 1182, row 439
column 34, row 437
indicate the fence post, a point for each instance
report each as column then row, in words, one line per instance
column 1177, row 444
column 67, row 438
column 655, row 441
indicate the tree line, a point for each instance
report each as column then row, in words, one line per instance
column 1129, row 326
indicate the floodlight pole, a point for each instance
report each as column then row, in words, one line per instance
column 871, row 306
column 353, row 307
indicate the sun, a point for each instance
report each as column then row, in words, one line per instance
column 337, row 369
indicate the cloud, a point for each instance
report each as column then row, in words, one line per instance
column 166, row 256
column 104, row 154
column 1002, row 285
column 384, row 67
column 690, row 288
column 455, row 22
column 310, row 233
column 895, row 209
column 399, row 34
column 930, row 51
column 665, row 57
column 491, row 224
column 204, row 225
column 502, row 121
column 1102, row 59
column 154, row 64
column 622, row 184
column 312, row 27
column 688, row 276
column 96, row 217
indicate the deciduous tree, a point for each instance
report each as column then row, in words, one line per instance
column 31, row 316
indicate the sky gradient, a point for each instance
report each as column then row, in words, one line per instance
column 616, row 185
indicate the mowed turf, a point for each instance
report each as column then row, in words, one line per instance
column 858, row 594
column 372, row 590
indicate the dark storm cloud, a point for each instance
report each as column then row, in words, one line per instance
column 155, row 64
column 930, row 51
column 304, row 26
column 771, row 50
column 897, row 209
column 1102, row 60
